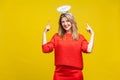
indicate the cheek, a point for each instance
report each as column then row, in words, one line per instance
column 62, row 24
column 69, row 24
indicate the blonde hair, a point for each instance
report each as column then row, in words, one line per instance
column 74, row 29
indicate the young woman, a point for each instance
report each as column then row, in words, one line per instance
column 68, row 46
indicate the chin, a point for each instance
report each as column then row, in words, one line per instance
column 67, row 29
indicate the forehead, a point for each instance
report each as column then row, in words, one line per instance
column 64, row 18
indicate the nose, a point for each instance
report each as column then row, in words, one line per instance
column 65, row 23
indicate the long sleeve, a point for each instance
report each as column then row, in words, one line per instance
column 49, row 46
column 84, row 45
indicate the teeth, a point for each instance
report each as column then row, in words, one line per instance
column 66, row 26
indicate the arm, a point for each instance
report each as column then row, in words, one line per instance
column 91, row 42
column 47, row 47
column 47, row 28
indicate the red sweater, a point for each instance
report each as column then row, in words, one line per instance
column 67, row 51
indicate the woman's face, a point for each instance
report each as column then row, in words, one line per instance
column 66, row 24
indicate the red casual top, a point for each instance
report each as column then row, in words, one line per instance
column 67, row 51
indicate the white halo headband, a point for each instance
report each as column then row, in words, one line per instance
column 64, row 8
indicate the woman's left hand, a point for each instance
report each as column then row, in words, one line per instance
column 89, row 29
column 91, row 42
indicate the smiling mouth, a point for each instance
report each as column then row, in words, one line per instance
column 66, row 26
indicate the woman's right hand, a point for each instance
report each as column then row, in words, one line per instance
column 47, row 28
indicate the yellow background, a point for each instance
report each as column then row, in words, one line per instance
column 21, row 26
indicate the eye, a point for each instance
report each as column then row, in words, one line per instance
column 62, row 21
column 67, row 21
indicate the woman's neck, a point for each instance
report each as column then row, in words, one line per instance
column 68, row 31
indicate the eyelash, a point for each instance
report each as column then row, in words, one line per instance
column 66, row 21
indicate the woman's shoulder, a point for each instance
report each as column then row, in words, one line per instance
column 55, row 35
column 81, row 36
